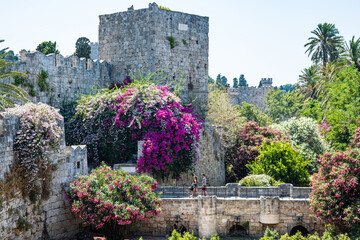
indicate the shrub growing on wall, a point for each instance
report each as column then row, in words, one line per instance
column 281, row 161
column 108, row 199
column 39, row 132
column 112, row 122
column 336, row 189
column 305, row 136
column 246, row 147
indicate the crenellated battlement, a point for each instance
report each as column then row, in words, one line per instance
column 67, row 76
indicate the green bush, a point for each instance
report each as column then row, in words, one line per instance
column 305, row 136
column 189, row 236
column 270, row 234
column 261, row 180
column 281, row 161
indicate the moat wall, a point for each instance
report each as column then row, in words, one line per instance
column 246, row 214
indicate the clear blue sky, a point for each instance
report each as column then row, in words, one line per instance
column 257, row 38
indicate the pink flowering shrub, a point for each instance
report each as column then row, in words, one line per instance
column 247, row 143
column 335, row 197
column 109, row 198
column 39, row 132
column 112, row 122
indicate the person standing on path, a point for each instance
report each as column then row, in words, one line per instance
column 203, row 187
column 195, row 187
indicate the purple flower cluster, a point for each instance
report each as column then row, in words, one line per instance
column 112, row 123
column 39, row 132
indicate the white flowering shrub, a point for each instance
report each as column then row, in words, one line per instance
column 305, row 136
column 39, row 132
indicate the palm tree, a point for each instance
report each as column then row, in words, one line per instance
column 325, row 45
column 308, row 80
column 9, row 93
column 353, row 51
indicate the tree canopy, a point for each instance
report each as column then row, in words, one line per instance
column 47, row 47
column 83, row 48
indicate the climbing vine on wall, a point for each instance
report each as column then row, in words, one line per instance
column 41, row 81
column 38, row 133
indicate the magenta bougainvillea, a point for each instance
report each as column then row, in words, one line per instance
column 113, row 197
column 112, row 123
column 246, row 147
column 336, row 189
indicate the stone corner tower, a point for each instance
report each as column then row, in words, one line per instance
column 154, row 38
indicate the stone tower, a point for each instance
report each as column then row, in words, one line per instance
column 154, row 38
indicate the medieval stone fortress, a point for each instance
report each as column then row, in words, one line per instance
column 147, row 40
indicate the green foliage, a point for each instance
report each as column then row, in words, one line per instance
column 47, row 47
column 165, row 8
column 282, row 105
column 270, row 234
column 189, row 236
column 83, row 48
column 353, row 51
column 253, row 113
column 23, row 224
column 184, row 42
column 22, row 81
column 242, row 81
column 261, row 180
column 221, row 81
column 281, row 161
column 172, row 41
column 41, row 81
column 220, row 113
column 236, row 82
column 10, row 56
column 325, row 45
column 305, row 136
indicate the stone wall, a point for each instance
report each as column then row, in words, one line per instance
column 67, row 76
column 206, row 216
column 138, row 39
column 252, row 95
column 211, row 161
column 48, row 219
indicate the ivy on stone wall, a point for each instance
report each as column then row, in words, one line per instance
column 41, row 81
column 24, row 82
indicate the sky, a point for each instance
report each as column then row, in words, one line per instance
column 257, row 38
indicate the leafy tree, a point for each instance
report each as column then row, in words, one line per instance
column 282, row 105
column 325, row 45
column 288, row 87
column 83, row 48
column 47, row 48
column 10, row 56
column 246, row 148
column 9, row 93
column 353, row 51
column 341, row 110
column 224, row 81
column 253, row 113
column 281, row 161
column 305, row 136
column 211, row 80
column 236, row 82
column 221, row 81
column 308, row 80
column 242, row 81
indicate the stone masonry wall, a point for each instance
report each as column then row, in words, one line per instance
column 51, row 219
column 252, row 95
column 211, row 162
column 67, row 76
column 138, row 39
column 206, row 216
